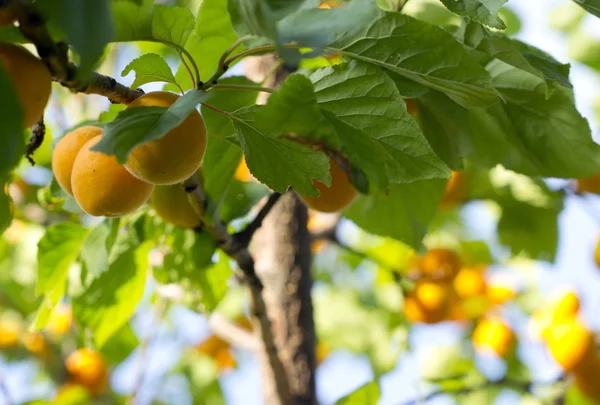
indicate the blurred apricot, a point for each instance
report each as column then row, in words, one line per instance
column 173, row 205
column 7, row 16
column 500, row 289
column 597, row 253
column 102, row 187
column 411, row 106
column 428, row 303
column 470, row 282
column 30, row 78
column 562, row 307
column 60, row 320
column 493, row 335
column 323, row 350
column 88, row 368
column 242, row 173
column 335, row 198
column 10, row 330
column 212, row 345
column 66, row 151
column 571, row 344
column 35, row 343
column 589, row 184
column 440, row 264
column 173, row 157
column 456, row 190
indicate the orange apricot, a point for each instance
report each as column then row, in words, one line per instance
column 175, row 156
column 589, row 184
column 439, row 263
column 10, row 330
column 102, row 187
column 242, row 173
column 571, row 344
column 335, row 198
column 60, row 320
column 172, row 204
column 493, row 335
column 411, row 106
column 66, row 151
column 428, row 303
column 597, row 253
column 31, row 80
column 456, row 190
column 470, row 282
column 88, row 368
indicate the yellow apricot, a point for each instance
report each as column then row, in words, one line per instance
column 174, row 157
column 571, row 344
column 439, row 263
column 7, row 16
column 242, row 173
column 411, row 106
column 66, row 151
column 87, row 368
column 493, row 335
column 102, row 187
column 9, row 333
column 589, row 184
column 456, row 190
column 31, row 80
column 428, row 303
column 35, row 343
column 60, row 320
column 172, row 204
column 470, row 282
column 335, row 198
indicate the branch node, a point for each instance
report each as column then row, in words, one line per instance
column 245, row 236
column 38, row 132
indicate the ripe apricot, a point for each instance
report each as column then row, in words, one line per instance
column 589, row 184
column 35, row 343
column 493, row 335
column 9, row 333
column 439, row 263
column 242, row 173
column 456, row 190
column 87, row 367
column 7, row 16
column 60, row 320
column 428, row 303
column 66, row 151
column 571, row 344
column 411, row 106
column 31, row 80
column 562, row 308
column 335, row 198
column 470, row 282
column 174, row 157
column 322, row 351
column 102, row 187
column 172, row 204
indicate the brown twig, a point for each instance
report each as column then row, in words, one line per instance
column 245, row 236
column 38, row 132
column 56, row 58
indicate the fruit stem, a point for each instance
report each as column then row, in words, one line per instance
column 182, row 51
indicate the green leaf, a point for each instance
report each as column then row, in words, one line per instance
column 5, row 210
column 172, row 24
column 149, row 68
column 279, row 163
column 57, row 250
column 94, row 251
column 212, row 36
column 426, row 54
column 368, row 394
column 403, row 214
column 138, row 125
column 554, row 71
column 240, row 198
column 133, row 20
column 11, row 130
column 253, row 17
column 111, row 299
column 218, row 166
column 591, row 6
column 213, row 282
column 88, row 27
column 120, row 345
column 483, row 11
column 218, row 124
column 363, row 96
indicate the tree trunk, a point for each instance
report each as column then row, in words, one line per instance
column 282, row 254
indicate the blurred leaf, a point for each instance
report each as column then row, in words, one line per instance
column 279, row 163
column 368, row 394
column 475, row 252
column 57, row 250
column 431, row 11
column 585, row 48
column 218, row 166
column 566, row 17
column 111, row 299
column 172, row 24
column 483, row 11
column 363, row 96
column 120, row 345
column 591, row 6
column 88, row 27
column 94, row 251
column 444, row 362
column 403, row 214
column 138, row 125
column 511, row 19
column 111, row 113
column 149, row 68
column 213, row 281
column 555, row 72
column 240, row 198
column 133, row 20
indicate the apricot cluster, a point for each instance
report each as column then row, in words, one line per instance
column 87, row 368
column 103, row 187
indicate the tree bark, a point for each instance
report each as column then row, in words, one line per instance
column 282, row 253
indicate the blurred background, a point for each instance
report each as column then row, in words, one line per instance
column 169, row 356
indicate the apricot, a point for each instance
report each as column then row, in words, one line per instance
column 175, row 156
column 335, row 198
column 66, row 151
column 172, row 204
column 571, row 344
column 439, row 263
column 456, row 190
column 470, row 282
column 428, row 303
column 102, row 187
column 493, row 335
column 242, row 173
column 562, row 308
column 31, row 80
column 597, row 253
column 87, row 368
column 9, row 333
column 7, row 16
column 35, row 343
column 589, row 184
column 60, row 320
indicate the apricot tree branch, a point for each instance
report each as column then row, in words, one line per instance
column 245, row 236
column 232, row 333
column 38, row 132
column 55, row 56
